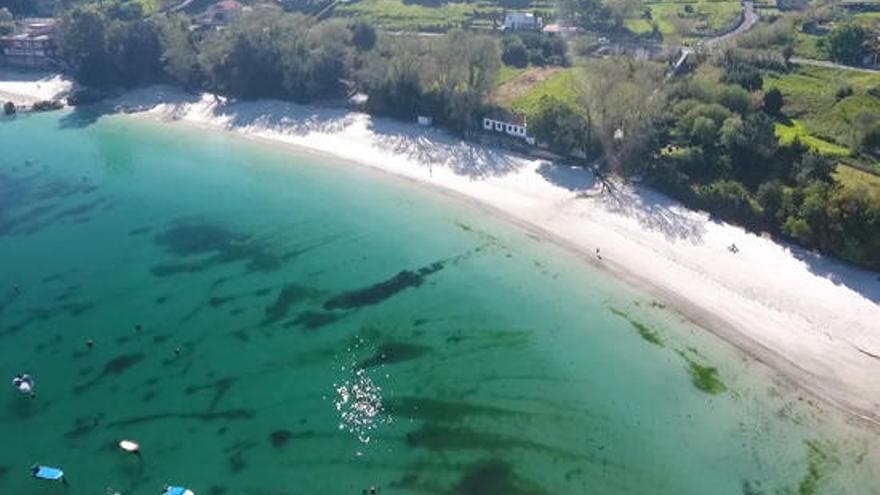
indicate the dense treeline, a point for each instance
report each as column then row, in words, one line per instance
column 724, row 157
column 706, row 140
column 266, row 53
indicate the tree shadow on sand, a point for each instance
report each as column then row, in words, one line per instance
column 654, row 212
column 860, row 280
column 425, row 147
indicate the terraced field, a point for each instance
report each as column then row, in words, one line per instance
column 685, row 17
column 438, row 15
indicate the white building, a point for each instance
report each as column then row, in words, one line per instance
column 513, row 126
column 522, row 21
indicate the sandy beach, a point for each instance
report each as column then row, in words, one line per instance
column 815, row 320
column 27, row 88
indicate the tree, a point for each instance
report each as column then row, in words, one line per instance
column 7, row 22
column 735, row 98
column 813, row 167
column 751, row 144
column 135, row 52
column 787, row 53
column 772, row 102
column 363, row 35
column 83, row 46
column 514, row 52
column 562, row 127
column 624, row 100
column 845, row 43
column 180, row 58
column 621, row 10
column 588, row 14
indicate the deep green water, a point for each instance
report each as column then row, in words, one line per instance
column 237, row 295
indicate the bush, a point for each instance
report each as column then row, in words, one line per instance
column 730, row 200
column 843, row 92
column 772, row 102
column 514, row 52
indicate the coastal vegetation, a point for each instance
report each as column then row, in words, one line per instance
column 747, row 135
column 704, row 377
column 647, row 333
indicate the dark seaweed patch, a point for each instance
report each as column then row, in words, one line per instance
column 394, row 352
column 32, row 201
column 236, row 460
column 647, row 333
column 80, row 209
column 494, row 477
column 291, row 294
column 139, row 231
column 214, row 245
column 115, row 366
column 239, row 414
column 311, row 320
column 440, row 438
column 280, row 438
column 217, row 301
column 122, row 363
column 83, row 426
column 162, row 300
column 217, row 490
column 376, row 293
column 148, row 396
column 220, row 388
column 3, row 470
column 439, row 411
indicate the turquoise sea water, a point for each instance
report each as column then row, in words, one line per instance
column 271, row 322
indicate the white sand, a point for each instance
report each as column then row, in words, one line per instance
column 815, row 320
column 28, row 87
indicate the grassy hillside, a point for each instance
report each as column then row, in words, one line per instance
column 683, row 17
column 438, row 15
column 560, row 85
column 820, row 100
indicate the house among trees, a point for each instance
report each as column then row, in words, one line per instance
column 508, row 123
column 31, row 44
column 220, row 14
column 560, row 30
column 522, row 21
column 871, row 56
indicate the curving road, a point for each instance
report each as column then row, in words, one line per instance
column 750, row 18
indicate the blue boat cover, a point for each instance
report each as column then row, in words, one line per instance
column 47, row 473
column 174, row 490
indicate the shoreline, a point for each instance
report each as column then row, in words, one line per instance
column 24, row 88
column 814, row 321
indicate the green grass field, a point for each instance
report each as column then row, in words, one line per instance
column 807, row 46
column 672, row 18
column 788, row 133
column 852, row 177
column 811, row 97
column 561, row 86
column 437, row 15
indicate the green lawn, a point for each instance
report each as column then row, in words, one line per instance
column 506, row 73
column 810, row 97
column 436, row 15
column 869, row 20
column 672, row 18
column 853, row 177
column 807, row 46
column 787, row 134
column 561, row 86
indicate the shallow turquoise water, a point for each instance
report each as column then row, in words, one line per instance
column 266, row 322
